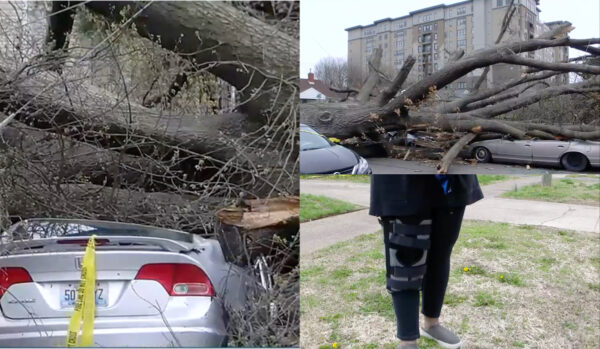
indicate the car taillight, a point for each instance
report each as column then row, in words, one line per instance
column 178, row 279
column 12, row 275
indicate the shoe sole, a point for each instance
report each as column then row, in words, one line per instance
column 443, row 344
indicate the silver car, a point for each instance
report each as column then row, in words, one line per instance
column 573, row 155
column 155, row 287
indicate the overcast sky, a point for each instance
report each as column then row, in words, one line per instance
column 322, row 22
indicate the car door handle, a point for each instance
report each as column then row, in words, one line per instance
column 561, row 146
column 528, row 145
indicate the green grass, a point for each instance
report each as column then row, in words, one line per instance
column 317, row 206
column 566, row 190
column 516, row 274
column 489, row 179
column 346, row 178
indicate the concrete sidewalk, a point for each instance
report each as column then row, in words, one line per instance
column 327, row 231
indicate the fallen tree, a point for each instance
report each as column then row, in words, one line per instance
column 481, row 113
column 78, row 140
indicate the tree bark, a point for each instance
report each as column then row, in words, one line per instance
column 391, row 91
column 237, row 48
column 372, row 79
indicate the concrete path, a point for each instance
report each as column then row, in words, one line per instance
column 325, row 232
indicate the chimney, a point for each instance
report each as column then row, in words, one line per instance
column 311, row 78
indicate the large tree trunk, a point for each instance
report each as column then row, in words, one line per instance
column 244, row 51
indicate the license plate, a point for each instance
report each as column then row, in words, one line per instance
column 68, row 295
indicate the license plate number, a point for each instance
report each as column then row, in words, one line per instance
column 68, row 295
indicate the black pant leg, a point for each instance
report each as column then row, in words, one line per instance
column 446, row 223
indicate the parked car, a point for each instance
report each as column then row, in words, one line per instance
column 573, row 156
column 320, row 156
column 155, row 287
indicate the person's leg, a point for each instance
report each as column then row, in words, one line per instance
column 445, row 227
column 406, row 241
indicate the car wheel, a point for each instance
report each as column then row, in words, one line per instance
column 574, row 162
column 482, row 154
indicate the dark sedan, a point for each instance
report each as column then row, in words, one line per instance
column 320, row 156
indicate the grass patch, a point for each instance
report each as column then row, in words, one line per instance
column 340, row 177
column 343, row 297
column 379, row 303
column 489, row 179
column 317, row 206
column 486, row 299
column 566, row 190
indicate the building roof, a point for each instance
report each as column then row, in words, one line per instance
column 319, row 85
column 409, row 15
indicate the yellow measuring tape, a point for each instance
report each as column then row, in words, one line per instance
column 85, row 305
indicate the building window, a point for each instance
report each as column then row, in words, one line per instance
column 434, row 26
column 426, row 48
column 462, row 85
column 499, row 3
column 420, row 68
column 385, row 45
column 461, row 22
column 399, row 33
column 399, row 44
column 420, row 48
column 460, row 33
column 427, row 38
column 385, row 36
column 435, row 36
column 420, row 77
column 435, row 66
column 435, row 46
column 435, row 56
column 461, row 10
column 427, row 28
column 461, row 43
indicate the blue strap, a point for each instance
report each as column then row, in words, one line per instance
column 443, row 182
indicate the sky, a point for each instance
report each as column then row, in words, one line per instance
column 322, row 22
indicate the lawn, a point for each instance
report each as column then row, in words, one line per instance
column 318, row 206
column 510, row 287
column 568, row 190
column 489, row 179
column 346, row 178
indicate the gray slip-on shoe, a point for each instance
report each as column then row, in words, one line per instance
column 442, row 336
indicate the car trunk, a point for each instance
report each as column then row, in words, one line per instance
column 56, row 277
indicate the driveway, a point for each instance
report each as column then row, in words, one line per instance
column 328, row 231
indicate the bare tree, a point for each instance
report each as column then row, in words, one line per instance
column 333, row 71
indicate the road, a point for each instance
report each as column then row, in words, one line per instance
column 397, row 166
column 325, row 232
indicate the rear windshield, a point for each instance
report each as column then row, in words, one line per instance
column 27, row 230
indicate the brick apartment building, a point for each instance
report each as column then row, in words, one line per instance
column 432, row 34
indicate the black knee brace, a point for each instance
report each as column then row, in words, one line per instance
column 406, row 253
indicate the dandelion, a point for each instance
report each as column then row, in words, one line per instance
column 466, row 269
column 334, row 345
column 501, row 277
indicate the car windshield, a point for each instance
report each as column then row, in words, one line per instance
column 41, row 229
column 311, row 141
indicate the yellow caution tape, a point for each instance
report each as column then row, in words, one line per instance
column 85, row 305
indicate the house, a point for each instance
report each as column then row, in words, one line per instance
column 315, row 90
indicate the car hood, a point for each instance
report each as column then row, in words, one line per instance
column 327, row 160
